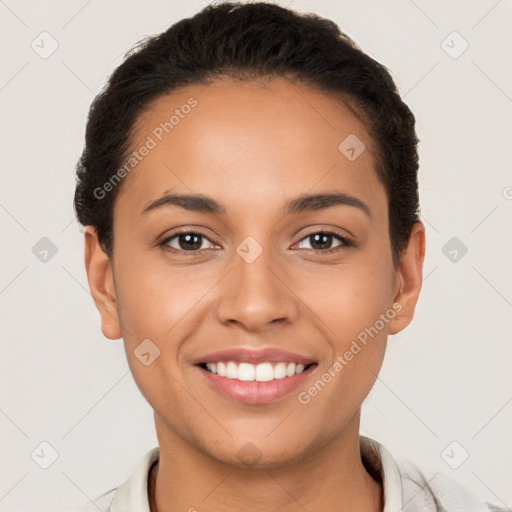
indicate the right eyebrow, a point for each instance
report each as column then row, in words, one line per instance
column 197, row 203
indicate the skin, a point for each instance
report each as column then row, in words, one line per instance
column 253, row 147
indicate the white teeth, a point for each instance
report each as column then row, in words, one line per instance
column 280, row 371
column 262, row 372
column 246, row 371
column 231, row 370
column 211, row 367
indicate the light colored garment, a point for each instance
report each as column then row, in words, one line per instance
column 406, row 488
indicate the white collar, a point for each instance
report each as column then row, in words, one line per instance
column 133, row 493
column 402, row 484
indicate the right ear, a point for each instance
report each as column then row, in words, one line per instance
column 101, row 284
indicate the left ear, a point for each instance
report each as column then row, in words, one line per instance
column 410, row 275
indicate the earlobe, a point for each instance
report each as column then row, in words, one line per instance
column 410, row 276
column 101, row 284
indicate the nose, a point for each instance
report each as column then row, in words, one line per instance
column 256, row 293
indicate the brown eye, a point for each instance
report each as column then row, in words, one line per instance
column 322, row 241
column 188, row 241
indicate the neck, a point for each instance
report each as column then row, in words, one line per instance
column 185, row 479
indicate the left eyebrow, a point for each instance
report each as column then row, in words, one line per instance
column 317, row 202
column 301, row 204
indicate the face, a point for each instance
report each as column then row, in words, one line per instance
column 253, row 264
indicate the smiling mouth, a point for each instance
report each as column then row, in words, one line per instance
column 262, row 372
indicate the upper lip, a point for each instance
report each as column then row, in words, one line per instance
column 246, row 355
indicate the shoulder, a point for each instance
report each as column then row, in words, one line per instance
column 409, row 488
column 130, row 495
column 422, row 486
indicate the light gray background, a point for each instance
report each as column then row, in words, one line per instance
column 446, row 378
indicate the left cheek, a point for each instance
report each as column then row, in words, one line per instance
column 360, row 359
column 350, row 307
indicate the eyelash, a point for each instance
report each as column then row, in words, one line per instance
column 345, row 242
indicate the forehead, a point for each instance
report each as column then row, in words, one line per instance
column 261, row 141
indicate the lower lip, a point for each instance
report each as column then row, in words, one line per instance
column 253, row 392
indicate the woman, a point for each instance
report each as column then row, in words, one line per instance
column 249, row 194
